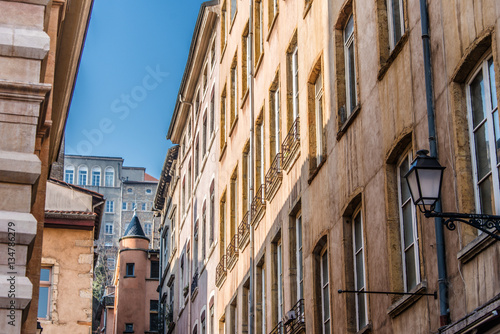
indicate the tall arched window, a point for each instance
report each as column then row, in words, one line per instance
column 109, row 177
column 96, row 176
column 69, row 174
column 83, row 172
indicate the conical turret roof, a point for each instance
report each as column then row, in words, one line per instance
column 134, row 228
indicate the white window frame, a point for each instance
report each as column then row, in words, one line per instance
column 108, row 228
column 356, row 279
column 96, row 176
column 326, row 322
column 234, row 94
column 349, row 41
column 488, row 121
column 279, row 263
column 300, row 265
column 110, row 207
column 148, row 228
column 407, row 158
column 109, row 177
column 295, row 83
column 318, row 106
column 48, row 285
column 69, row 174
column 263, row 294
column 392, row 24
column 276, row 107
column 83, row 175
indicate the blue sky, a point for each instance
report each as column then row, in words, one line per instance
column 129, row 77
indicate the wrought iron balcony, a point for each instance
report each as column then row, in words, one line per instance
column 258, row 203
column 232, row 252
column 273, row 177
column 243, row 231
column 220, row 271
column 295, row 319
column 194, row 282
column 291, row 144
column 279, row 329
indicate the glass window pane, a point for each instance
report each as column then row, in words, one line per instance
column 326, row 303
column 403, row 169
column 352, row 78
column 486, row 197
column 361, row 311
column 360, row 276
column 497, row 135
column 493, row 89
column 327, row 327
column 43, row 301
column 396, row 19
column 45, row 275
column 324, row 265
column 411, row 274
column 482, row 151
column 358, row 238
column 477, row 98
column 349, row 28
column 407, row 225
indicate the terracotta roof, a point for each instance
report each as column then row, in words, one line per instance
column 72, row 212
column 148, row 177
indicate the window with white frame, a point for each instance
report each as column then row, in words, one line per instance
column 204, row 135
column 272, row 11
column 484, row 131
column 325, row 292
column 350, row 67
column 124, row 205
column 203, row 232
column 212, row 53
column 83, row 173
column 110, row 262
column 96, row 176
column 234, row 91
column 359, row 269
column 147, row 228
column 133, row 205
column 110, row 206
column 408, row 227
column 45, row 292
column 108, row 228
column 212, row 320
column 318, row 109
column 396, row 21
column 234, row 7
column 143, row 206
column 212, row 112
column 195, row 245
column 109, row 177
column 172, row 234
column 274, row 117
column 69, row 174
column 295, row 83
column 300, row 269
column 262, row 291
column 212, row 213
column 279, row 263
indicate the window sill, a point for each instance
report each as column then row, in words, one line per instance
column 475, row 247
column 210, row 252
column 244, row 98
column 257, row 64
column 316, row 170
column 233, row 125
column 366, row 329
column 232, row 21
column 348, row 122
column 222, row 151
column 222, row 52
column 407, row 300
column 194, row 294
column 129, row 276
column 271, row 26
column 392, row 56
column 307, row 7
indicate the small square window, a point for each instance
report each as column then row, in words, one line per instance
column 129, row 190
column 148, row 191
column 129, row 328
column 124, row 206
column 129, row 270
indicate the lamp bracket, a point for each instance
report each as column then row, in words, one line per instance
column 481, row 222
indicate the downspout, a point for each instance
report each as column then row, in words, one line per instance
column 444, row 312
column 251, row 167
column 161, row 318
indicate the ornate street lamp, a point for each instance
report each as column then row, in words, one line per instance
column 424, row 179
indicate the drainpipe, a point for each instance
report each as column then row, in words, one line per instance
column 251, row 168
column 444, row 312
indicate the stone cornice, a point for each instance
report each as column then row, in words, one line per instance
column 23, row 42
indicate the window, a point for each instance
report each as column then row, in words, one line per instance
column 109, row 177
column 147, row 228
column 274, row 117
column 203, row 324
column 273, row 11
column 153, row 315
column 222, row 226
column 293, row 79
column 234, row 202
column 110, row 263
column 155, row 269
column 205, row 76
column 82, row 175
column 318, row 119
column 279, row 263
column 223, row 26
column 172, row 235
column 350, row 67
column 109, row 244
column 69, row 174
column 189, row 181
column 234, row 8
column 183, row 195
column 110, row 206
column 234, row 316
column 109, row 228
column 484, row 131
column 396, row 21
column 197, row 103
column 212, row 112
column 133, row 205
column 195, row 246
column 124, row 205
column 96, row 176
column 223, row 119
column 359, row 269
column 129, row 328
column 300, row 269
column 148, row 191
column 261, row 299
column 245, row 49
column 212, row 53
column 181, row 283
column 258, row 30
column 212, row 213
column 129, row 270
column 260, row 170
column 212, row 320
column 143, row 206
column 325, row 292
column 234, row 91
column 204, row 136
column 197, row 158
column 245, row 185
column 408, row 228
column 203, row 231
column 129, row 190
column 44, row 293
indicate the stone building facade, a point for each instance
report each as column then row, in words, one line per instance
column 40, row 48
column 187, row 191
column 338, row 96
column 125, row 189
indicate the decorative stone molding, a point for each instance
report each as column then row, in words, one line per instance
column 24, row 43
column 19, row 295
column 25, row 227
column 19, row 167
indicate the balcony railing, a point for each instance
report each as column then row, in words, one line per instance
column 243, row 231
column 291, row 144
column 296, row 321
column 258, row 203
column 220, row 271
column 194, row 282
column 232, row 252
column 273, row 177
column 279, row 329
